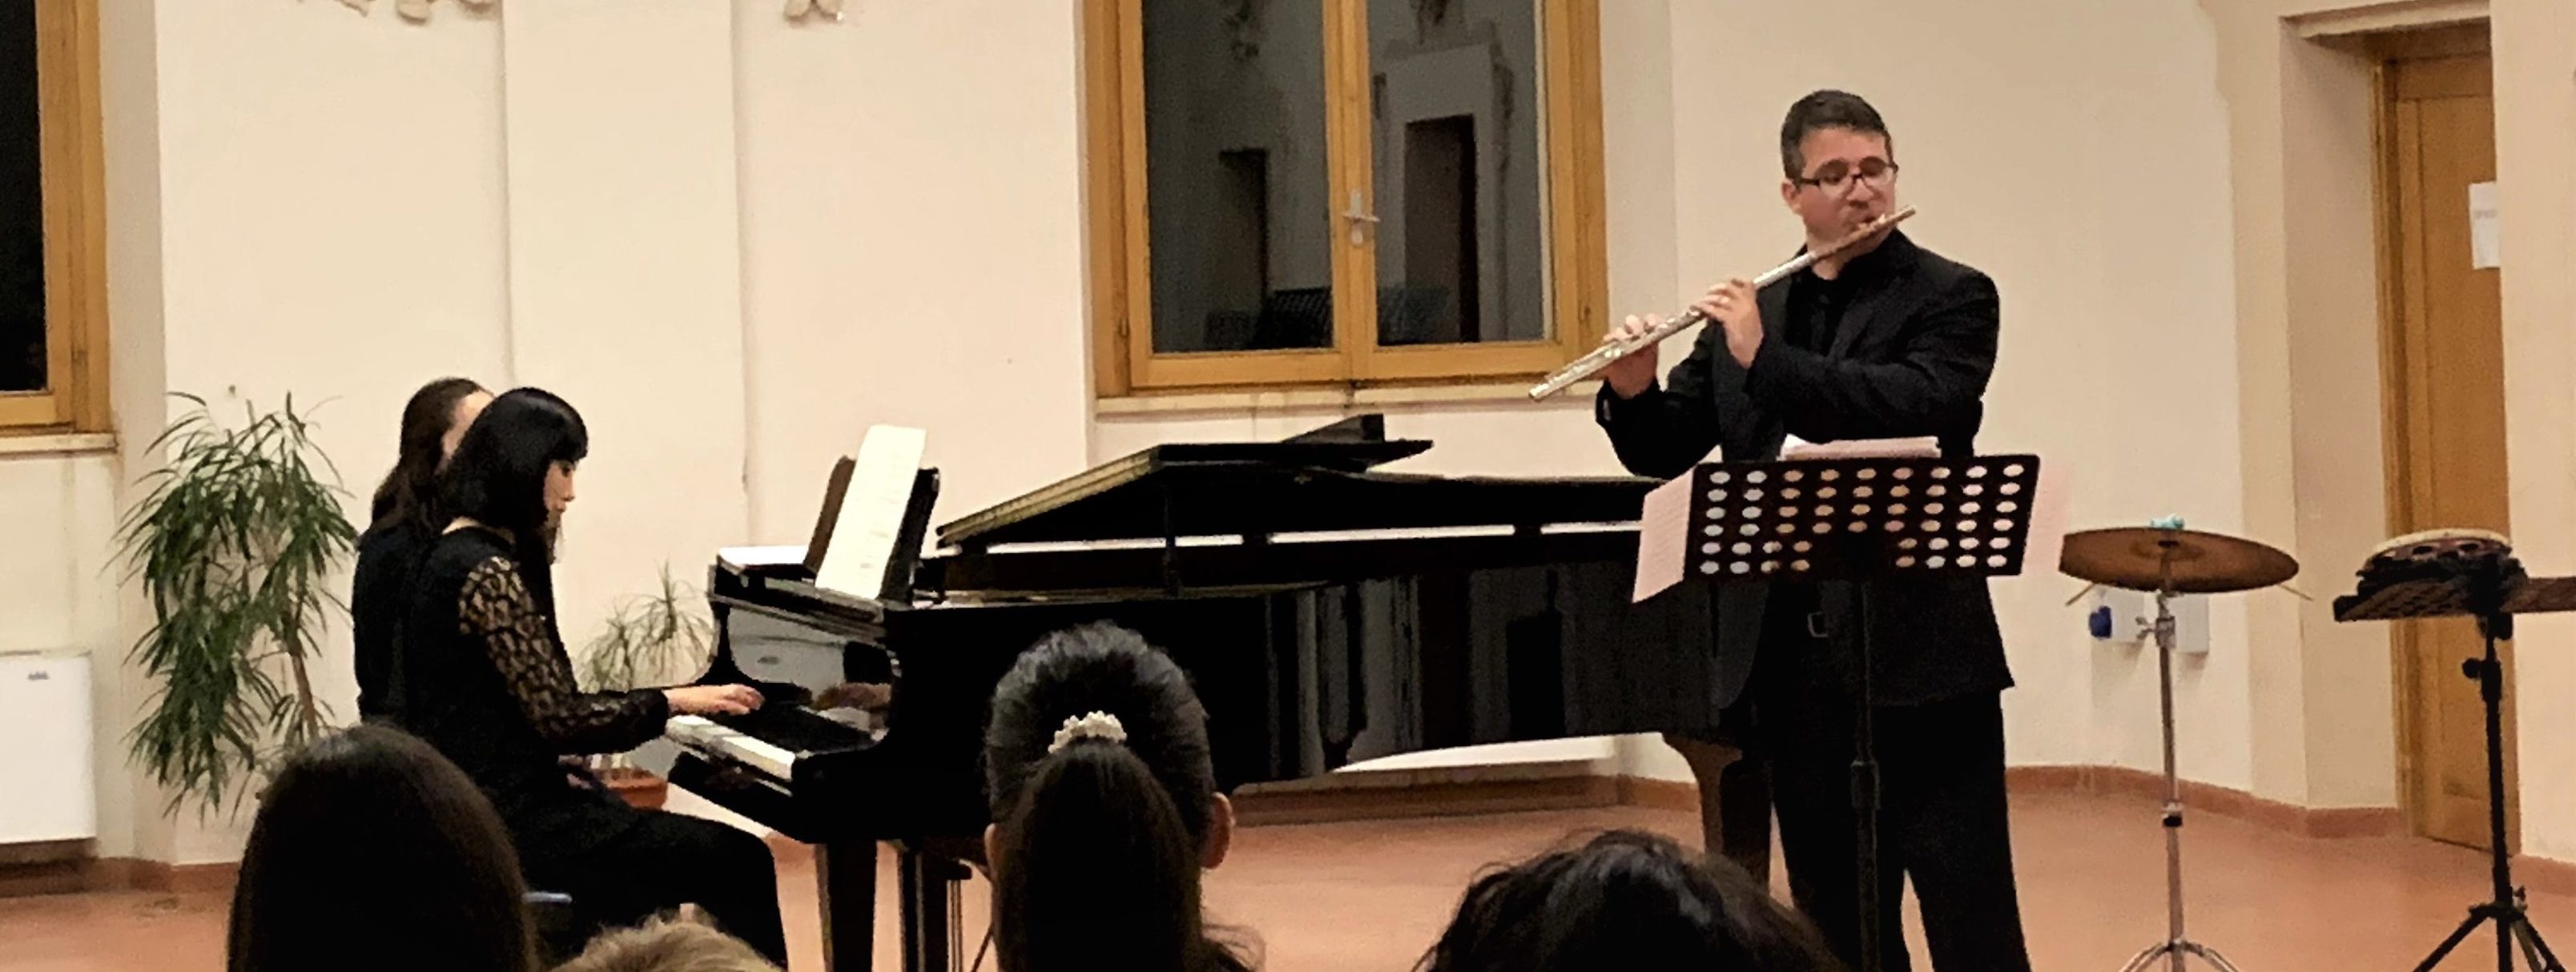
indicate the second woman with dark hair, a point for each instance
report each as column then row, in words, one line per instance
column 1104, row 796
column 399, row 530
column 486, row 680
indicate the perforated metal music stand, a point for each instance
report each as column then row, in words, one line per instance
column 1869, row 521
column 2487, row 592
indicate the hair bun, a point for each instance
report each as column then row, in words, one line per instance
column 1094, row 725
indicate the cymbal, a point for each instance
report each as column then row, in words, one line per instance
column 2184, row 561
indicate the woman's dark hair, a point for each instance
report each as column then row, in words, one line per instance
column 1100, row 839
column 372, row 849
column 410, row 489
column 1625, row 900
column 498, row 476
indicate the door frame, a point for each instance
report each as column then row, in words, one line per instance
column 2398, row 416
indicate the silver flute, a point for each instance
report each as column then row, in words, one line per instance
column 1601, row 357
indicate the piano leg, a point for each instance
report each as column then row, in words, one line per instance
column 847, row 873
column 927, row 882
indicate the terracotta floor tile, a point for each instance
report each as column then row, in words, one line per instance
column 1373, row 895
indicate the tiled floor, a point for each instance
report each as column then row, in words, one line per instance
column 1372, row 895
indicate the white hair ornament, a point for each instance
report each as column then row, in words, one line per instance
column 1095, row 725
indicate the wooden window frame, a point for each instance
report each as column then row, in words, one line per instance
column 75, row 211
column 1124, row 361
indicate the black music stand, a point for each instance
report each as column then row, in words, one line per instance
column 2492, row 591
column 1866, row 520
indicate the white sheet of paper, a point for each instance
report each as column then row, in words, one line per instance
column 2049, row 508
column 1922, row 448
column 872, row 511
column 745, row 557
column 2483, row 248
column 1663, row 538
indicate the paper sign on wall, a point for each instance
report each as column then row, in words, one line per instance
column 2482, row 226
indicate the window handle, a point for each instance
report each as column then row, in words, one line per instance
column 1360, row 218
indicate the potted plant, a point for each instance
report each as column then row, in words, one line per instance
column 237, row 543
column 647, row 640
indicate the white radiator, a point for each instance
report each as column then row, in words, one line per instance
column 47, row 764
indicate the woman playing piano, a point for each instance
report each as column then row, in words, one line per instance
column 484, row 678
column 399, row 529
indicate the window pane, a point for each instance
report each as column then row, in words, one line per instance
column 22, row 209
column 1240, row 226
column 1461, row 254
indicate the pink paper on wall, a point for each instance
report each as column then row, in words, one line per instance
column 2049, row 512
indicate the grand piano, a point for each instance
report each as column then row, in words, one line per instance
column 1327, row 610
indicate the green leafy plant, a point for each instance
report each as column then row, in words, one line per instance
column 648, row 634
column 236, row 543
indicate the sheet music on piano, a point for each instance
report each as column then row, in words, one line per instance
column 757, row 558
column 872, row 512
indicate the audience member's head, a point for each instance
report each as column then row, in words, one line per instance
column 1105, row 808
column 684, row 943
column 373, row 851
column 432, row 424
column 1625, row 900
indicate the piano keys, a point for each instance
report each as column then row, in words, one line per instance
column 1328, row 612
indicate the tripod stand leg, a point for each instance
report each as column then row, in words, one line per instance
column 2147, row 957
column 2535, row 950
column 2504, row 940
column 2458, row 935
column 2211, row 956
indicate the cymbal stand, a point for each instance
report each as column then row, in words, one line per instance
column 2175, row 946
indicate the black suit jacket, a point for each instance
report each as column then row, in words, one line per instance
column 1910, row 358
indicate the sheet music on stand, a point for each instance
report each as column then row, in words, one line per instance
column 870, row 522
column 1884, row 509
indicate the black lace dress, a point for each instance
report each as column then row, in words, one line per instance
column 484, row 678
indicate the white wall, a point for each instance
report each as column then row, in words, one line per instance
column 338, row 242
column 625, row 277
column 912, row 247
column 63, row 596
column 2536, row 123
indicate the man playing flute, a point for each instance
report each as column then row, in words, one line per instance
column 1884, row 339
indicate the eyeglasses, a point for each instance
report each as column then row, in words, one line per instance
column 1838, row 179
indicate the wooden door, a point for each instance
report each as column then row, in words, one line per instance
column 2446, row 411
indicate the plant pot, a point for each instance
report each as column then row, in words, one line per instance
column 638, row 787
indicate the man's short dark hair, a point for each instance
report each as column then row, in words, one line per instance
column 1822, row 110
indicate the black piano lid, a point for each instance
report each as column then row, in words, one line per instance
column 1320, row 481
